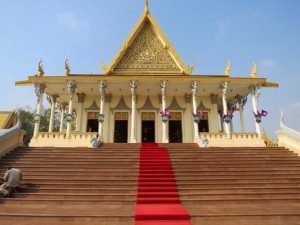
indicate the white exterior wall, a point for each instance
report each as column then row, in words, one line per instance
column 187, row 119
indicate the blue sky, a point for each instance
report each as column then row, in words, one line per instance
column 204, row 32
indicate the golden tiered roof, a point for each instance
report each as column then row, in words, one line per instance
column 146, row 51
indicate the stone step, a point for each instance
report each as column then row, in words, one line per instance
column 70, row 212
column 240, row 185
column 60, row 219
column 95, row 190
column 92, row 184
column 231, row 190
column 77, row 196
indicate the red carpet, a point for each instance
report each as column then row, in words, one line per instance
column 158, row 201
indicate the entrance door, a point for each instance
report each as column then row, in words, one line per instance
column 92, row 122
column 175, row 128
column 175, row 131
column 121, row 131
column 148, row 131
column 148, row 127
column 203, row 125
column 92, row 125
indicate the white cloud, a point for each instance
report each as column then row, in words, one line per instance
column 70, row 21
column 294, row 107
column 267, row 63
column 224, row 26
column 291, row 112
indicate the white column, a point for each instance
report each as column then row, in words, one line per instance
column 62, row 107
column 231, row 122
column 221, row 121
column 102, row 87
column 194, row 100
column 165, row 138
column 224, row 88
column 242, row 102
column 53, row 102
column 133, row 85
column 255, row 92
column 79, row 112
column 71, row 89
column 39, row 91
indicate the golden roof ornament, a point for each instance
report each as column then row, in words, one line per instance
column 67, row 68
column 146, row 6
column 191, row 68
column 254, row 70
column 227, row 69
column 103, row 67
column 40, row 68
column 146, row 35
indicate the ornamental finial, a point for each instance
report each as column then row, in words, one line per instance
column 227, row 69
column 146, row 6
column 191, row 68
column 254, row 70
column 103, row 67
column 40, row 68
column 67, row 68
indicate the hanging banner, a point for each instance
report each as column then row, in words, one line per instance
column 197, row 116
column 259, row 115
column 100, row 118
column 228, row 116
column 165, row 116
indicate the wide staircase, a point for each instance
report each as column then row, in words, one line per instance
column 217, row 186
column 72, row 186
column 238, row 186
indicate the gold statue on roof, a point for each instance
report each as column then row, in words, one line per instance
column 227, row 69
column 191, row 68
column 103, row 67
column 40, row 68
column 254, row 70
column 67, row 68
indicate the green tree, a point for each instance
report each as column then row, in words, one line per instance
column 26, row 116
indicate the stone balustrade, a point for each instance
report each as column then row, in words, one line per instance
column 57, row 139
column 235, row 140
column 11, row 138
column 288, row 137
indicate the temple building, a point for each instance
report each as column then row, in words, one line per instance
column 147, row 94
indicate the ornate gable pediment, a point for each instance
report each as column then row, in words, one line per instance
column 201, row 107
column 93, row 106
column 174, row 105
column 146, row 51
column 121, row 105
column 148, row 105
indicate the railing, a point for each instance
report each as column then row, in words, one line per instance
column 11, row 138
column 288, row 137
column 235, row 140
column 57, row 139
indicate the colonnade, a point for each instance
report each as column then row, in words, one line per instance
column 71, row 86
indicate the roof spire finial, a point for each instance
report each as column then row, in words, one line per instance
column 146, row 6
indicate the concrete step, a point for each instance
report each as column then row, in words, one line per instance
column 99, row 186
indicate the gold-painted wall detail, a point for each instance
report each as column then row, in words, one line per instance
column 121, row 116
column 147, row 53
column 148, row 116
